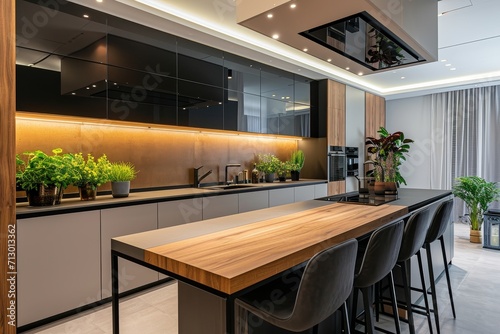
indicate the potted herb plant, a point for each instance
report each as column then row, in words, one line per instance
column 285, row 168
column 296, row 163
column 268, row 164
column 477, row 194
column 45, row 176
column 90, row 174
column 120, row 175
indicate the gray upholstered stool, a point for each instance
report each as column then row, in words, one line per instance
column 438, row 226
column 324, row 287
column 376, row 263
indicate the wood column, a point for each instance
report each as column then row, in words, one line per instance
column 8, row 260
column 336, row 115
column 374, row 118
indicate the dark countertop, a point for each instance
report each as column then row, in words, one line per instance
column 23, row 210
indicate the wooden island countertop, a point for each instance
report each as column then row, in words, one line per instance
column 231, row 253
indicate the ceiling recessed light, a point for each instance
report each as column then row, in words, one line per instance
column 282, row 97
column 305, row 49
column 288, row 97
column 269, row 16
column 98, row 1
column 447, row 65
column 329, row 60
column 293, row 5
column 360, row 73
column 453, row 69
column 443, row 60
column 348, row 68
column 274, row 95
column 88, row 87
column 73, row 93
column 403, row 77
column 276, row 36
column 85, row 16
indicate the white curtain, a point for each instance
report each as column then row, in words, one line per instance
column 465, row 136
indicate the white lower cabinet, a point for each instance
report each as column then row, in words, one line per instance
column 254, row 200
column 58, row 264
column 219, row 206
column 120, row 221
column 180, row 212
column 320, row 190
column 304, row 193
column 281, row 196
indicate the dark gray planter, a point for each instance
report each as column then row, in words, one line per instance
column 120, row 188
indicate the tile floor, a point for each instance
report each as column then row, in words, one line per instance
column 475, row 276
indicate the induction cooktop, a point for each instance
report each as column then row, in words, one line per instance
column 360, row 199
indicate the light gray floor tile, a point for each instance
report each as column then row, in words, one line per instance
column 475, row 277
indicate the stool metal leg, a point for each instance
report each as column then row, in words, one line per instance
column 394, row 304
column 424, row 289
column 406, row 287
column 347, row 328
column 447, row 272
column 433, row 286
column 369, row 326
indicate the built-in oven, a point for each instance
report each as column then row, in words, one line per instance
column 352, row 161
column 337, row 167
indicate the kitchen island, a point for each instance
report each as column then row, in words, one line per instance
column 220, row 258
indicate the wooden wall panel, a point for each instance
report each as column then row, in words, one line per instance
column 163, row 157
column 336, row 113
column 336, row 187
column 374, row 118
column 374, row 114
column 8, row 268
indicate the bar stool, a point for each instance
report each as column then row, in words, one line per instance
column 413, row 239
column 437, row 227
column 376, row 263
column 324, row 287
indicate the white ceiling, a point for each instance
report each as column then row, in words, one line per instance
column 469, row 41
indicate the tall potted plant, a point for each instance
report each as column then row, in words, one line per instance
column 387, row 153
column 91, row 174
column 296, row 163
column 120, row 175
column 477, row 194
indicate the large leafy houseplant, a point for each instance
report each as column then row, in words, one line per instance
column 477, row 194
column 387, row 153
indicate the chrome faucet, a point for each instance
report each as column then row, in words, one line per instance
column 225, row 175
column 197, row 179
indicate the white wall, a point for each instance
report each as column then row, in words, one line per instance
column 413, row 117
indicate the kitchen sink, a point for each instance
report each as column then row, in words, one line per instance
column 232, row 186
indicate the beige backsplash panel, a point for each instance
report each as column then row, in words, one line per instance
column 164, row 157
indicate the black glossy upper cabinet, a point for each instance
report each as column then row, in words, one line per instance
column 116, row 69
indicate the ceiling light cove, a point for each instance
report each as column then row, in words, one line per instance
column 361, row 34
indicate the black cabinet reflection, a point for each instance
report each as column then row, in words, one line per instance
column 141, row 96
column 200, row 105
column 107, row 67
column 39, row 90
